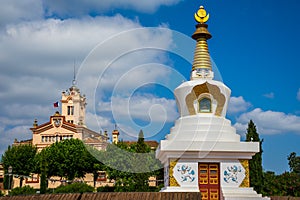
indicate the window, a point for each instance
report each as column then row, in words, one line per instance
column 205, row 105
column 70, row 110
column 34, row 178
column 101, row 176
column 71, row 121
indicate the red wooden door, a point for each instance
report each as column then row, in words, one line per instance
column 209, row 181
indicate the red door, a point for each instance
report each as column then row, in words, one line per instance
column 209, row 181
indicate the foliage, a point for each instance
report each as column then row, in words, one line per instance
column 21, row 158
column 74, row 188
column 105, row 189
column 1, row 194
column 130, row 165
column 255, row 165
column 43, row 183
column 286, row 184
column 26, row 190
column 294, row 162
column 69, row 159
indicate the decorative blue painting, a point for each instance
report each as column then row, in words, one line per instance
column 186, row 172
column 231, row 174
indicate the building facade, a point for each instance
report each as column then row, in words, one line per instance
column 70, row 123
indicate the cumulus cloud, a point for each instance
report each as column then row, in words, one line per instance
column 64, row 8
column 146, row 107
column 20, row 132
column 13, row 11
column 46, row 51
column 269, row 122
column 146, row 112
column 238, row 105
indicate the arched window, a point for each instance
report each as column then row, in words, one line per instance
column 205, row 105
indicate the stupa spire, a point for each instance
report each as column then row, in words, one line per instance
column 202, row 67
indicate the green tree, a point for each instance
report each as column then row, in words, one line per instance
column 141, row 179
column 67, row 159
column 74, row 188
column 294, row 162
column 21, row 158
column 130, row 165
column 255, row 164
column 26, row 190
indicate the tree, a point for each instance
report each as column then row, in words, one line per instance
column 255, row 165
column 74, row 188
column 294, row 162
column 130, row 165
column 141, row 178
column 26, row 190
column 67, row 159
column 21, row 158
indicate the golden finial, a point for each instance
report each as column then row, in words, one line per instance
column 201, row 16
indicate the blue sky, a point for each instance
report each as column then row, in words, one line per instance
column 128, row 70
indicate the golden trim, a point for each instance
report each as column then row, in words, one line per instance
column 246, row 181
column 205, row 88
column 201, row 55
column 172, row 181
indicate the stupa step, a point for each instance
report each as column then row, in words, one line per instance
column 203, row 119
column 204, row 127
column 219, row 146
column 203, row 136
column 241, row 194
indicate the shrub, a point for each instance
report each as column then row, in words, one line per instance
column 22, row 191
column 105, row 189
column 74, row 188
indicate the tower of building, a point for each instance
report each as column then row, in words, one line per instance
column 115, row 135
column 203, row 152
column 73, row 105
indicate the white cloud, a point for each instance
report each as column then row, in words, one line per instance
column 270, row 95
column 98, row 123
column 46, row 51
column 298, row 95
column 269, row 122
column 12, row 11
column 238, row 105
column 9, row 134
column 146, row 107
column 79, row 7
column 145, row 112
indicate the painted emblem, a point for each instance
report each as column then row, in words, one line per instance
column 187, row 173
column 231, row 174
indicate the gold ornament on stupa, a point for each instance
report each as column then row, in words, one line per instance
column 201, row 35
column 201, row 16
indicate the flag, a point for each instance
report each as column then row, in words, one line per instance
column 56, row 104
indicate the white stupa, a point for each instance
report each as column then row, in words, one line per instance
column 203, row 152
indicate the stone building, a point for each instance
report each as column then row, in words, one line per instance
column 69, row 124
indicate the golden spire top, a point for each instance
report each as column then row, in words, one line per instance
column 201, row 16
column 202, row 66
